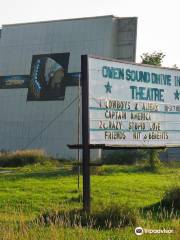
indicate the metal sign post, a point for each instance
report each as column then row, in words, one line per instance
column 85, row 133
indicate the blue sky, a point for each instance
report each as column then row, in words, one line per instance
column 158, row 20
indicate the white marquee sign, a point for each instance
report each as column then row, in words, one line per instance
column 132, row 104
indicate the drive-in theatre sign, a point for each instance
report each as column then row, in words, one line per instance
column 132, row 104
column 127, row 105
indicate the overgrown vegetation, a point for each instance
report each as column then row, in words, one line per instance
column 112, row 216
column 171, row 198
column 125, row 156
column 22, row 158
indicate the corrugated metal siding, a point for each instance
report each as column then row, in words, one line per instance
column 78, row 37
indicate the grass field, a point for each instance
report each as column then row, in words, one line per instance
column 28, row 192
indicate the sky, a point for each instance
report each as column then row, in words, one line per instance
column 158, row 20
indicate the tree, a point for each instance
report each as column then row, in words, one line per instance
column 154, row 58
column 175, row 66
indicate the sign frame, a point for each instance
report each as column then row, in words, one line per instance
column 145, row 145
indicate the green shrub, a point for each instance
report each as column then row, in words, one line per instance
column 125, row 156
column 22, row 158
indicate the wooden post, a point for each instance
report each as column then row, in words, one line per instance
column 85, row 133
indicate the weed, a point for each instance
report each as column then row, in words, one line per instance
column 112, row 216
column 171, row 198
column 22, row 158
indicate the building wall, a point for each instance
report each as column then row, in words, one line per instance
column 46, row 124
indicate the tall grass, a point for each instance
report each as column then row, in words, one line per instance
column 70, row 226
column 22, row 158
column 112, row 216
column 171, row 198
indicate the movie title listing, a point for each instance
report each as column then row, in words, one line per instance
column 120, row 117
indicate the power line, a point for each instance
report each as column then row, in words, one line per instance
column 50, row 123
